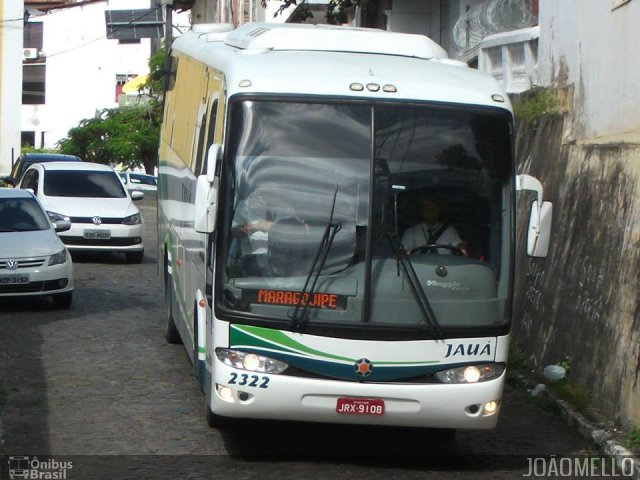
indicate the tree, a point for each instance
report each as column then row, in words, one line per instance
column 128, row 135
column 336, row 10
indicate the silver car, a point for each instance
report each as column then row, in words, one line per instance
column 33, row 260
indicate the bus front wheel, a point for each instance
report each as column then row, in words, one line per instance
column 172, row 335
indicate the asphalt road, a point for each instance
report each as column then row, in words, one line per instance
column 97, row 385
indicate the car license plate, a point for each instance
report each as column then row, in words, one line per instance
column 14, row 279
column 99, row 234
column 360, row 406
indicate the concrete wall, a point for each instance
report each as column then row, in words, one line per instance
column 11, row 12
column 582, row 301
column 593, row 48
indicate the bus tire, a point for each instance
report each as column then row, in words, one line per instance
column 172, row 335
column 445, row 434
column 199, row 367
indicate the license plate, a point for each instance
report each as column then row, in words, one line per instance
column 360, row 406
column 14, row 279
column 99, row 234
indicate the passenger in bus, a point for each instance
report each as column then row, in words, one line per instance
column 432, row 230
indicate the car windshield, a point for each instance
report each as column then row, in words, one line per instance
column 417, row 200
column 22, row 215
column 83, row 183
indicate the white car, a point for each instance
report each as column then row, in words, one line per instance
column 91, row 196
column 139, row 181
column 33, row 260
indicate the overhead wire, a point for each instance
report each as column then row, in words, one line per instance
column 62, row 9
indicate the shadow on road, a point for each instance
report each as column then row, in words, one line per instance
column 23, row 383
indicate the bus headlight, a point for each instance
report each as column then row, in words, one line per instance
column 250, row 361
column 471, row 373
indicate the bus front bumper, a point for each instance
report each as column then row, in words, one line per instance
column 245, row 394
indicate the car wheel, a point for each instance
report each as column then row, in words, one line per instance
column 62, row 300
column 135, row 257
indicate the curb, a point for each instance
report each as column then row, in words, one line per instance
column 607, row 445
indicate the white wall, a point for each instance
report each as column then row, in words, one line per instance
column 433, row 18
column 10, row 81
column 594, row 49
column 81, row 68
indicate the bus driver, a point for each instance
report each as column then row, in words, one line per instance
column 432, row 231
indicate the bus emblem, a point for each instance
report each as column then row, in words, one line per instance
column 363, row 367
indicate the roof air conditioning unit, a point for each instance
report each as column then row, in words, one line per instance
column 30, row 53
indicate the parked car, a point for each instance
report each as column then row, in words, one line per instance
column 90, row 195
column 139, row 181
column 33, row 260
column 26, row 160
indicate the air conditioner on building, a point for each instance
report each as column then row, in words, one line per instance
column 30, row 53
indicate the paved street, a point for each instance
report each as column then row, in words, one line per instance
column 98, row 381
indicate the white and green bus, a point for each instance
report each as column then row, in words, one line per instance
column 294, row 159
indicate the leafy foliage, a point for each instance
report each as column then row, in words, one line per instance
column 336, row 10
column 536, row 103
column 632, row 440
column 128, row 135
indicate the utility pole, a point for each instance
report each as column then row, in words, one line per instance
column 155, row 42
column 168, row 29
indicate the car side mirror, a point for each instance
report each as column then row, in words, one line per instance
column 9, row 181
column 61, row 225
column 137, row 195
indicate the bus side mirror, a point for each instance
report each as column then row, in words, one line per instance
column 539, row 229
column 540, row 217
column 206, row 207
column 213, row 155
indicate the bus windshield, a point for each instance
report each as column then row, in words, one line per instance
column 386, row 217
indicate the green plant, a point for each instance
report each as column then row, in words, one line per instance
column 517, row 358
column 29, row 149
column 632, row 440
column 575, row 394
column 566, row 364
column 538, row 102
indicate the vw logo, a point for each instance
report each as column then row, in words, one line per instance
column 96, row 220
column 363, row 367
column 12, row 264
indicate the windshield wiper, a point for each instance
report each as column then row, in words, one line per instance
column 323, row 249
column 421, row 297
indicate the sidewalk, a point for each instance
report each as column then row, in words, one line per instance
column 600, row 437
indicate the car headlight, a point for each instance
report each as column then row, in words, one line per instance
column 250, row 361
column 57, row 217
column 471, row 373
column 58, row 258
column 134, row 219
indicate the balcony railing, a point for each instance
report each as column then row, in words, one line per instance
column 511, row 58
